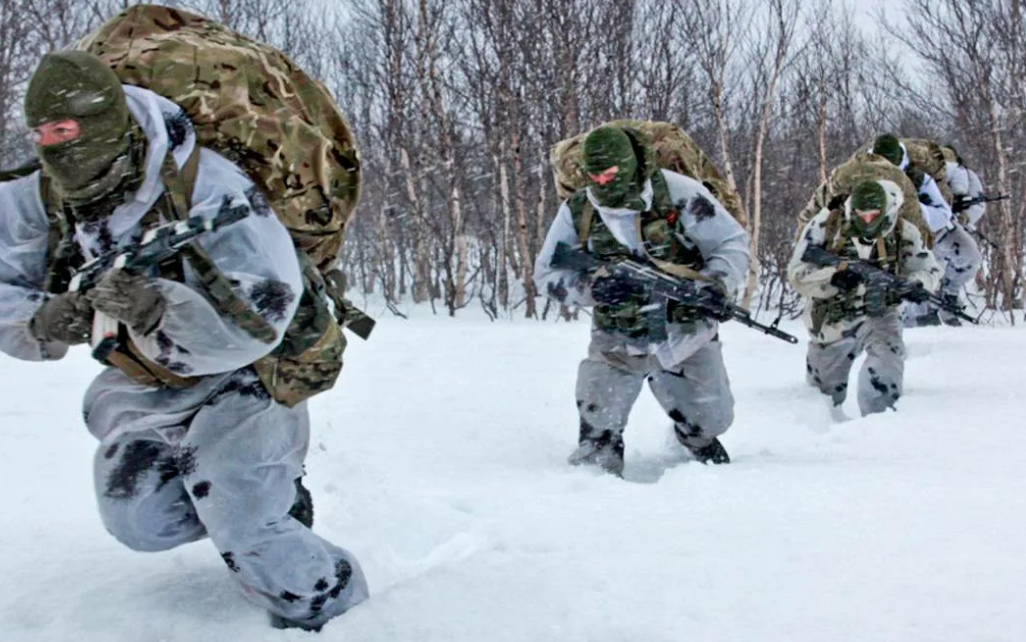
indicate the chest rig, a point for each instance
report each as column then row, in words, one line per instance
column 663, row 247
column 848, row 306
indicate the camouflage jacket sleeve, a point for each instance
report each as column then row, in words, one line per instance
column 918, row 262
column 705, row 224
column 255, row 254
column 569, row 287
column 936, row 210
column 24, row 236
column 809, row 280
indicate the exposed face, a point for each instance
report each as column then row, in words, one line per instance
column 606, row 177
column 869, row 223
column 54, row 133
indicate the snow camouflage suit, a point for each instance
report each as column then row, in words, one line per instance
column 684, row 224
column 253, row 105
column 219, row 457
column 840, row 323
column 930, row 170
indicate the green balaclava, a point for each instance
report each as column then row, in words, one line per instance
column 866, row 197
column 78, row 85
column 607, row 147
column 888, row 146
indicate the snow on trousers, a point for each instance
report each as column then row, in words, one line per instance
column 695, row 394
column 222, row 468
column 880, row 380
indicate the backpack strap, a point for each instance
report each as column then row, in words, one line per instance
column 178, row 188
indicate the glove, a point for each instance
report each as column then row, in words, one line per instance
column 845, row 280
column 615, row 289
column 132, row 299
column 65, row 318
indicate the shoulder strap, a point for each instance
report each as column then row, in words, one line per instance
column 178, row 187
column 582, row 212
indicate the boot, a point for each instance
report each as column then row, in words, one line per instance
column 604, row 451
column 302, row 509
column 712, row 452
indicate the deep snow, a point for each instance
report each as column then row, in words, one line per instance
column 440, row 462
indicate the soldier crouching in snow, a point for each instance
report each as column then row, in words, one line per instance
column 192, row 444
column 633, row 209
column 845, row 311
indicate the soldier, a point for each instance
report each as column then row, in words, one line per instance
column 953, row 247
column 956, row 249
column 191, row 443
column 846, row 314
column 631, row 208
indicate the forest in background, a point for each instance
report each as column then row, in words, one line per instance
column 456, row 104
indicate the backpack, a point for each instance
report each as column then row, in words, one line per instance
column 253, row 105
column 673, row 149
column 864, row 166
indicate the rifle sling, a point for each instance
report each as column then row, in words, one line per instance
column 178, row 188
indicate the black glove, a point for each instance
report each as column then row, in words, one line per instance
column 132, row 299
column 67, row 318
column 615, row 289
column 845, row 280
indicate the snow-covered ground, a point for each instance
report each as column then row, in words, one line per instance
column 440, row 462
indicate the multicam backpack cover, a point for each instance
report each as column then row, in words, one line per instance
column 252, row 104
column 864, row 166
column 674, row 150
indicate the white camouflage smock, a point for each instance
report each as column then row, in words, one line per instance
column 217, row 459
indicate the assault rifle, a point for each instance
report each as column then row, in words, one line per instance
column 662, row 288
column 880, row 283
column 156, row 246
column 962, row 204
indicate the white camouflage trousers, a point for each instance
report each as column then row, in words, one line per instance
column 957, row 251
column 218, row 460
column 695, row 394
column 880, row 380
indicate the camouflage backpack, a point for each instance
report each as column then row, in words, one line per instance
column 674, row 150
column 862, row 167
column 252, row 104
column 928, row 157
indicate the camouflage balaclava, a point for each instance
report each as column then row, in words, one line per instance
column 78, row 85
column 607, row 147
column 888, row 146
column 866, row 198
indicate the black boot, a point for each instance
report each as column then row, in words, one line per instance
column 711, row 453
column 302, row 509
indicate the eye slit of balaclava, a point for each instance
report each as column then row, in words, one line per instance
column 607, row 147
column 867, row 197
